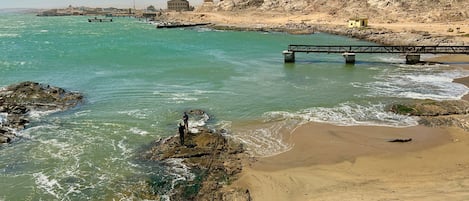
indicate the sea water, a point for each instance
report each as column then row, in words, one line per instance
column 138, row 80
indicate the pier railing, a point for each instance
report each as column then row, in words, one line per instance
column 380, row 49
column 348, row 51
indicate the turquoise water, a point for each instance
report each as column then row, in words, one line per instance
column 138, row 80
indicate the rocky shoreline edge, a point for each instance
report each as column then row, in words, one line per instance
column 213, row 159
column 206, row 165
column 377, row 35
column 19, row 100
column 453, row 113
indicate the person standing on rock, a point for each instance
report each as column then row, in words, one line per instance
column 185, row 119
column 181, row 129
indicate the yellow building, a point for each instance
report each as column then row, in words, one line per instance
column 357, row 22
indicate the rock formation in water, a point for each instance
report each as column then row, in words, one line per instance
column 18, row 100
column 437, row 113
column 212, row 159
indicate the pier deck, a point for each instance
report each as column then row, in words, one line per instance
column 412, row 52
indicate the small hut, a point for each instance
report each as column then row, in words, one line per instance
column 357, row 22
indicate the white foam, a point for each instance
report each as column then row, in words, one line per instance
column 8, row 35
column 125, row 151
column 137, row 113
column 418, row 83
column 267, row 139
column 82, row 113
column 35, row 114
column 348, row 114
column 391, row 59
column 3, row 118
column 182, row 97
column 180, row 172
column 138, row 131
column 195, row 123
column 50, row 186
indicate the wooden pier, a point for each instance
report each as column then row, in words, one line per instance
column 412, row 52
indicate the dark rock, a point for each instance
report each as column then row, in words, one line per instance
column 4, row 139
column 18, row 100
column 453, row 113
column 401, row 140
column 214, row 160
column 432, row 108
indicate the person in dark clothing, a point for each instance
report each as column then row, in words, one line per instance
column 185, row 118
column 181, row 133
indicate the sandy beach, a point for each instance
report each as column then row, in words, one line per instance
column 356, row 163
column 330, row 162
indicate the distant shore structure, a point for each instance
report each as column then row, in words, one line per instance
column 178, row 5
column 70, row 10
column 100, row 19
column 358, row 22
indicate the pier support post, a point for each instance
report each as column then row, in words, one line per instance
column 349, row 57
column 412, row 58
column 289, row 56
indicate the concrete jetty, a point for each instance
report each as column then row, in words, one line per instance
column 179, row 25
column 348, row 52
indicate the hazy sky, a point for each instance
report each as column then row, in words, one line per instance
column 90, row 3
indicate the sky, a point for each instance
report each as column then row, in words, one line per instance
column 90, row 3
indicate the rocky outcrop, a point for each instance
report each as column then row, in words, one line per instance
column 291, row 28
column 437, row 113
column 387, row 37
column 212, row 159
column 18, row 100
column 422, row 11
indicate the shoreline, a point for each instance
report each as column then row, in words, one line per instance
column 398, row 33
column 456, row 60
column 329, row 162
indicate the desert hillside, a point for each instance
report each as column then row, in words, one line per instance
column 388, row 11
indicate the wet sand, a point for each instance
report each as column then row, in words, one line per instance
column 330, row 162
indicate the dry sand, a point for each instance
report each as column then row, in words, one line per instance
column 357, row 163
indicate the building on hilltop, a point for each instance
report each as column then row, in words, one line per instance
column 178, row 5
column 357, row 22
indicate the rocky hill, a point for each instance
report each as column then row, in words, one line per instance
column 379, row 10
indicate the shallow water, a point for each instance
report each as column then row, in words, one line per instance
column 138, row 80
